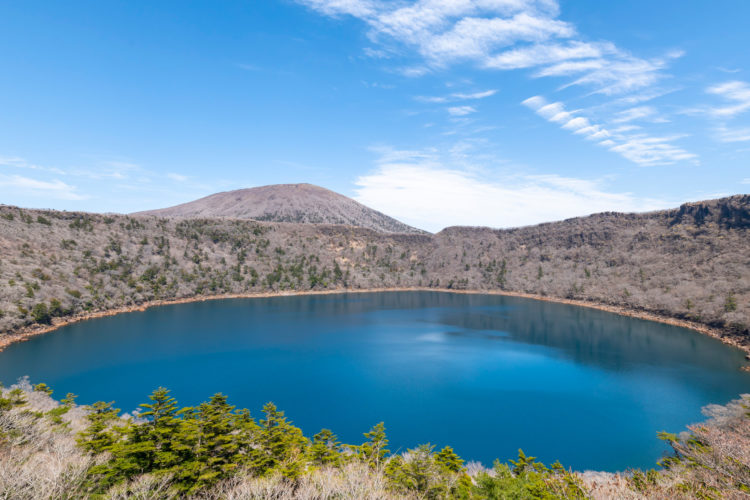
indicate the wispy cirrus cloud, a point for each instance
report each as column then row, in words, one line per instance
column 736, row 92
column 724, row 134
column 25, row 182
column 21, row 163
column 634, row 114
column 640, row 148
column 55, row 189
column 357, row 8
column 108, row 169
column 461, row 110
column 554, row 54
column 503, row 35
column 414, row 186
column 458, row 96
column 177, row 177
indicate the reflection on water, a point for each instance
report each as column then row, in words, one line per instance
column 484, row 374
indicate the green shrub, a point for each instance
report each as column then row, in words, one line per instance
column 40, row 313
column 528, row 478
column 43, row 388
column 55, row 308
column 730, row 305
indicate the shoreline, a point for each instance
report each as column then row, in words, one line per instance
column 27, row 333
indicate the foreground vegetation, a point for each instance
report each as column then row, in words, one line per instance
column 51, row 449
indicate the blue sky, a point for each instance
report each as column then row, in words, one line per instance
column 437, row 112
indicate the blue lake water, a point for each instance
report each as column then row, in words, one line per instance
column 484, row 374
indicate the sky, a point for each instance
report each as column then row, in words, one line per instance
column 499, row 113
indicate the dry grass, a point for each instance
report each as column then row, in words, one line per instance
column 39, row 459
column 353, row 480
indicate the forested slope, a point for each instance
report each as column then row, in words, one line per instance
column 692, row 262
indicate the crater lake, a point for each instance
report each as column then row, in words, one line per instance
column 485, row 374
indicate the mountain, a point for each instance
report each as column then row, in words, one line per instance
column 301, row 203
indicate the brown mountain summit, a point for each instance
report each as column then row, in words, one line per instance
column 302, row 203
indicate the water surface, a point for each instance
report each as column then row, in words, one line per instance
column 484, row 374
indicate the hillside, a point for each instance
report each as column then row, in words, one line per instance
column 301, row 203
column 692, row 262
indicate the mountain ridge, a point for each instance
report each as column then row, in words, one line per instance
column 298, row 203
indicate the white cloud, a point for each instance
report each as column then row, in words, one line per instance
column 499, row 34
column 458, row 96
column 639, row 148
column 577, row 123
column 525, row 34
column 554, row 112
column 625, row 128
column 476, row 95
column 461, row 110
column 421, row 190
column 55, row 189
column 536, row 55
column 621, row 75
column 646, row 95
column 16, row 162
column 738, row 92
column 724, row 134
column 570, row 67
column 633, row 114
column 357, row 8
column 117, row 170
column 475, row 38
column 106, row 185
column 645, row 150
column 177, row 177
column 453, row 29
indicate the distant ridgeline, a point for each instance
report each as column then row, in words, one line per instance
column 692, row 262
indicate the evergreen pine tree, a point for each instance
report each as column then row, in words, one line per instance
column 283, row 445
column 448, row 459
column 374, row 449
column 98, row 437
column 325, row 449
column 219, row 450
column 161, row 427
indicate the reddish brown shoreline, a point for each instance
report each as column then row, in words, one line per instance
column 32, row 331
